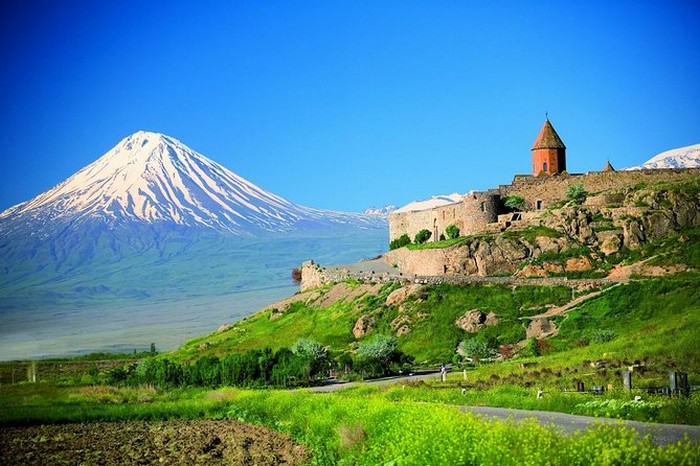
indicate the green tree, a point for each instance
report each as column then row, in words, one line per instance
column 475, row 348
column 422, row 236
column 515, row 202
column 380, row 356
column 452, row 231
column 314, row 353
column 576, row 193
column 400, row 242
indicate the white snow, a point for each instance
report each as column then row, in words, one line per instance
column 682, row 157
column 434, row 201
column 151, row 177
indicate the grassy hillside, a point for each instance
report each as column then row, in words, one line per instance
column 651, row 322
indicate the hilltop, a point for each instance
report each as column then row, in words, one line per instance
column 632, row 305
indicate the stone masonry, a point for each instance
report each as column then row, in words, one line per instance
column 483, row 212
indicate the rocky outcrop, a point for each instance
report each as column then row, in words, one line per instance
column 363, row 325
column 540, row 328
column 474, row 320
column 402, row 294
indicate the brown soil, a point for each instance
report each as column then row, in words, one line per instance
column 139, row 442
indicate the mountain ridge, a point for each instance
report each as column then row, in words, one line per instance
column 151, row 177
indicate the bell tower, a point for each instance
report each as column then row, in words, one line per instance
column 548, row 152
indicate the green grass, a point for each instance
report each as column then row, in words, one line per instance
column 434, row 335
column 446, row 243
column 531, row 233
column 366, row 426
column 402, row 424
column 26, row 404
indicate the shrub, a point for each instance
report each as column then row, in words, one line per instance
column 576, row 193
column 475, row 349
column 296, row 276
column 452, row 231
column 602, row 335
column 422, row 236
column 400, row 242
column 515, row 202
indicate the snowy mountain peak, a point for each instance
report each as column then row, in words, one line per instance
column 682, row 157
column 432, row 202
column 153, row 178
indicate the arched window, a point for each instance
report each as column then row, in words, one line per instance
column 544, row 167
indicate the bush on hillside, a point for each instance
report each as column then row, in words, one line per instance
column 422, row 236
column 379, row 356
column 400, row 242
column 576, row 193
column 515, row 202
column 296, row 276
column 452, row 231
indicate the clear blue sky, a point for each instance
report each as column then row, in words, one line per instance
column 343, row 105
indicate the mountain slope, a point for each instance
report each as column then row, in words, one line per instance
column 683, row 157
column 151, row 242
column 150, row 178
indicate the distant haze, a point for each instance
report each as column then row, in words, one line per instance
column 154, row 242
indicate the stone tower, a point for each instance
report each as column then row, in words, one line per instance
column 548, row 152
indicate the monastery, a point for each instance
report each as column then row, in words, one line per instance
column 485, row 211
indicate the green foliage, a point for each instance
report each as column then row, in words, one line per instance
column 452, row 231
column 531, row 233
column 422, row 236
column 602, row 335
column 443, row 243
column 531, row 348
column 416, row 432
column 576, row 193
column 380, row 355
column 400, row 242
column 475, row 349
column 515, row 202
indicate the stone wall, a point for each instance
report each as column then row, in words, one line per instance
column 471, row 215
column 551, row 189
column 478, row 212
column 317, row 276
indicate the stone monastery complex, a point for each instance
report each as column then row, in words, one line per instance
column 485, row 212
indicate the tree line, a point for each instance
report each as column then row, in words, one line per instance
column 304, row 364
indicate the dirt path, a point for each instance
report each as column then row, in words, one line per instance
column 210, row 442
column 562, row 310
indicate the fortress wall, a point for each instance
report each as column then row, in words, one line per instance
column 552, row 189
column 478, row 212
column 410, row 223
column 472, row 215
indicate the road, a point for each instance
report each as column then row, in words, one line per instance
column 661, row 434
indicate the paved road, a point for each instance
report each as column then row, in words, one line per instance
column 661, row 434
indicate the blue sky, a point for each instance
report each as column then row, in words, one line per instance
column 344, row 105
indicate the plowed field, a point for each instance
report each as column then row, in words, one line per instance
column 138, row 442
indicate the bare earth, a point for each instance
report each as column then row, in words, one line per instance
column 138, row 442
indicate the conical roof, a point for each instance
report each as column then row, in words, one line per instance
column 608, row 167
column 548, row 138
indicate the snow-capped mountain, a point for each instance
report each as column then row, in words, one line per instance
column 434, row 201
column 155, row 242
column 150, row 178
column 683, row 157
column 380, row 211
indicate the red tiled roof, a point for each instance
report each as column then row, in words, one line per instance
column 548, row 138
